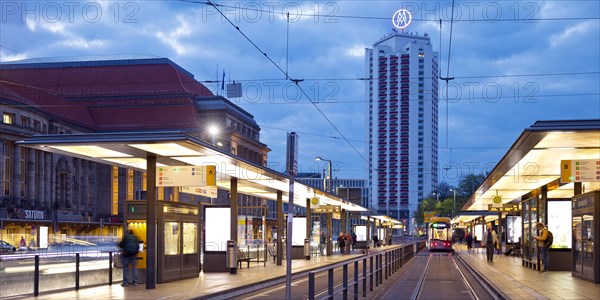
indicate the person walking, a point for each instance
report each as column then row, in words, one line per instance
column 129, row 250
column 543, row 231
column 490, row 238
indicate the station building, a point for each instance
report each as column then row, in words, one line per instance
column 70, row 196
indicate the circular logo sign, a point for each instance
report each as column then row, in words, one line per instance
column 314, row 201
column 497, row 199
column 401, row 18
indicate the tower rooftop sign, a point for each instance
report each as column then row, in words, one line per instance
column 401, row 18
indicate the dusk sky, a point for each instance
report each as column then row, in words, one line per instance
column 514, row 62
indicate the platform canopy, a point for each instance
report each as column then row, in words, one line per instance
column 176, row 148
column 534, row 161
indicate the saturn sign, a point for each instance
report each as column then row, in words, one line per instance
column 401, row 19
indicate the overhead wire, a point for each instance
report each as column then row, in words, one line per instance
column 295, row 81
column 329, row 16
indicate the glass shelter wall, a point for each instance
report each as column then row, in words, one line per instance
column 586, row 210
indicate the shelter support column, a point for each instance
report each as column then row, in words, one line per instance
column 369, row 234
column 577, row 188
column 233, row 203
column 343, row 221
column 329, row 234
column 279, row 208
column 151, row 222
column 308, row 224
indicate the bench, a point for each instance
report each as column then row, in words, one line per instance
column 241, row 257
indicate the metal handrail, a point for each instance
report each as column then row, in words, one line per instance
column 380, row 265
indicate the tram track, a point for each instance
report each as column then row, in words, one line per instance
column 454, row 279
column 439, row 276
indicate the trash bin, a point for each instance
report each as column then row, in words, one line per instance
column 307, row 248
column 231, row 257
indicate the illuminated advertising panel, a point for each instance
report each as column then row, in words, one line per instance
column 218, row 228
column 298, row 231
column 559, row 223
column 361, row 233
column 514, row 232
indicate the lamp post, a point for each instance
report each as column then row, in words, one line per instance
column 453, row 202
column 328, row 173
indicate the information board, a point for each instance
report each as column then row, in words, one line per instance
column 195, row 176
column 583, row 170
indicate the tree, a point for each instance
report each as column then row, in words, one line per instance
column 466, row 188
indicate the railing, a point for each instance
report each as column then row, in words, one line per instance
column 375, row 268
column 33, row 272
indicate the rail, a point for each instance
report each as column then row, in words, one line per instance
column 375, row 268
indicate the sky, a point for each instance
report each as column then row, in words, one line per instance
column 514, row 63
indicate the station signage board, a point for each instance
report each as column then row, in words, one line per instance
column 206, row 191
column 504, row 208
column 582, row 170
column 193, row 176
column 328, row 209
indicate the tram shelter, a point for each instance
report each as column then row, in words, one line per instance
column 531, row 176
column 149, row 150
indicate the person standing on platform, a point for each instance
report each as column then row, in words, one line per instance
column 490, row 238
column 341, row 241
column 129, row 248
column 353, row 239
column 542, row 244
column 348, row 241
column 469, row 240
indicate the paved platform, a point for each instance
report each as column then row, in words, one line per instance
column 519, row 282
column 505, row 273
column 207, row 285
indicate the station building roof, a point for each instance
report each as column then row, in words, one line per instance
column 533, row 161
column 107, row 93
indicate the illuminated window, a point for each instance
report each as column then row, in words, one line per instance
column 7, row 168
column 8, row 118
column 129, row 184
column 115, row 191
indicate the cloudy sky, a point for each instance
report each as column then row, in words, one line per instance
column 514, row 62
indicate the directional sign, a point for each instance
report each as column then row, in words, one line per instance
column 206, row 191
column 504, row 208
column 328, row 209
column 583, row 170
column 194, row 176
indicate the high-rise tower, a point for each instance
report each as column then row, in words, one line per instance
column 402, row 101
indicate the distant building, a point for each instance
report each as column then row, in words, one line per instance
column 402, row 105
column 340, row 186
column 102, row 94
column 353, row 190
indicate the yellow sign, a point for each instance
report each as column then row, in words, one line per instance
column 314, row 202
column 497, row 199
column 211, row 175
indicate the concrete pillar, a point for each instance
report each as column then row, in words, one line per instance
column 151, row 222
column 279, row 213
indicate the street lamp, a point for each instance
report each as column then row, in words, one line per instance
column 328, row 173
column 213, row 130
column 453, row 202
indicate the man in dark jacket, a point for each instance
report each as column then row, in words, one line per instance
column 129, row 249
